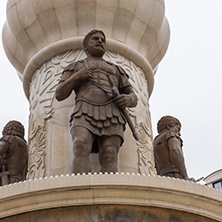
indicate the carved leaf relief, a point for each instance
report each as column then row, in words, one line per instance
column 145, row 150
column 37, row 153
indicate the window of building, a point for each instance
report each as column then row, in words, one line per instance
column 218, row 185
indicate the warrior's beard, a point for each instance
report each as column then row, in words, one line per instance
column 95, row 51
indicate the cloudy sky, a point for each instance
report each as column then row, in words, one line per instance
column 13, row 103
column 188, row 83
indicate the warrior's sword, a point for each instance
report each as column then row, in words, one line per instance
column 125, row 112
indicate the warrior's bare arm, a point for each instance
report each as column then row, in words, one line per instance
column 177, row 156
column 127, row 98
column 65, row 88
column 156, row 165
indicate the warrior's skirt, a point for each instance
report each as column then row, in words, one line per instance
column 100, row 119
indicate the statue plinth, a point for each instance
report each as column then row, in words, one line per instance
column 111, row 197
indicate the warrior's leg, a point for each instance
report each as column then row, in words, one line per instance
column 108, row 153
column 82, row 145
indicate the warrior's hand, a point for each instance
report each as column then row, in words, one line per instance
column 85, row 73
column 123, row 101
column 196, row 180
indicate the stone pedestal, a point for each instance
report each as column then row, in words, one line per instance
column 42, row 37
column 109, row 198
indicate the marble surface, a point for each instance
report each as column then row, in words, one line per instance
column 33, row 25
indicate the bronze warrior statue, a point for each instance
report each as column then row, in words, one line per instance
column 97, row 124
column 168, row 154
column 13, row 153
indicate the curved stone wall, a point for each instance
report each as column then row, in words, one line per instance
column 124, row 197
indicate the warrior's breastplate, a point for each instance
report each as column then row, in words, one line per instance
column 98, row 89
column 17, row 157
column 160, row 147
column 104, row 80
column 162, row 154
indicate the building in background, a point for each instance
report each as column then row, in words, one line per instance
column 214, row 180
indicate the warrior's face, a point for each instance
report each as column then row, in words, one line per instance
column 175, row 128
column 96, row 45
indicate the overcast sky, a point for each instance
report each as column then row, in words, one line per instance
column 188, row 83
column 13, row 103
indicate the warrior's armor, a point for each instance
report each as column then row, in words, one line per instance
column 165, row 166
column 94, row 108
column 15, row 159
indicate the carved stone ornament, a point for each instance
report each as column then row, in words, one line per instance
column 37, row 152
column 145, row 150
